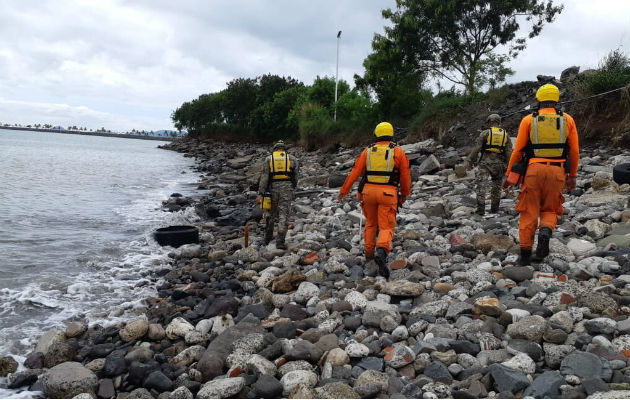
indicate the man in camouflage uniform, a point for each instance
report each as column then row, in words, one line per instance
column 491, row 166
column 281, row 181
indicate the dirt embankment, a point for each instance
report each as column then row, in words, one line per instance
column 600, row 120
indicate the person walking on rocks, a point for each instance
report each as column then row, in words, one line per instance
column 385, row 184
column 491, row 152
column 548, row 140
column 279, row 176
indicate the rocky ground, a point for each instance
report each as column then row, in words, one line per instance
column 457, row 318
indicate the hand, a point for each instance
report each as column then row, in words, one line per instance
column 570, row 183
column 259, row 199
column 506, row 185
column 341, row 197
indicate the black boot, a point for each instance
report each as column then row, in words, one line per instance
column 268, row 232
column 494, row 208
column 542, row 249
column 280, row 241
column 481, row 209
column 526, row 257
column 381, row 261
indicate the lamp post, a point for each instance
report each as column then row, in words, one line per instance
column 337, row 74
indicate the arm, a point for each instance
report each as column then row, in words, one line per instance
column 521, row 142
column 574, row 146
column 474, row 153
column 357, row 171
column 508, row 149
column 264, row 178
column 402, row 163
column 295, row 164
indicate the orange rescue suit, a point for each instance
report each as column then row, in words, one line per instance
column 541, row 194
column 380, row 201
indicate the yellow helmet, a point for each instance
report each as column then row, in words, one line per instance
column 384, row 129
column 548, row 92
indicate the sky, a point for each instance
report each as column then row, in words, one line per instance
column 127, row 65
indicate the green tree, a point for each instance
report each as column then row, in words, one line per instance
column 460, row 40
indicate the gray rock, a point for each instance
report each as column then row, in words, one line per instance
column 546, row 386
column 507, row 379
column 438, row 372
column 585, row 365
column 267, row 387
column 530, row 328
column 68, row 379
column 375, row 311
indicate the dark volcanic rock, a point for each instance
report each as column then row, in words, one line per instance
column 267, row 387
column 508, row 379
column 158, row 381
column 546, row 385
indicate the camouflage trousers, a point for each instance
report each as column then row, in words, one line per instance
column 281, row 199
column 489, row 179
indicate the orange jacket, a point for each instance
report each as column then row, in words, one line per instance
column 400, row 160
column 523, row 138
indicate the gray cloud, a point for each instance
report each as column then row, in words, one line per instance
column 126, row 65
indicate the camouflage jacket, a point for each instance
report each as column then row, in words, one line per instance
column 265, row 177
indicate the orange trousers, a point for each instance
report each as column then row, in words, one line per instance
column 541, row 197
column 379, row 204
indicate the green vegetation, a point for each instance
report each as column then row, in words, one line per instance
column 453, row 40
column 613, row 73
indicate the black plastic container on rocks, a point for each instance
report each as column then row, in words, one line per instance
column 176, row 235
column 621, row 173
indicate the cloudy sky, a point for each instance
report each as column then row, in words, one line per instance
column 128, row 64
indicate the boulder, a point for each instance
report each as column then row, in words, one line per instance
column 67, row 380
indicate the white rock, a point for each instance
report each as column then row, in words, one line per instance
column 357, row 299
column 292, row 379
column 521, row 362
column 204, row 326
column 221, row 323
column 580, row 247
column 178, row 328
column 357, row 350
column 305, row 292
column 190, row 250
column 221, row 388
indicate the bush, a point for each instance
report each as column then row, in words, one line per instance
column 438, row 111
column 613, row 73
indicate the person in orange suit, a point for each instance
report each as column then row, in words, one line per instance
column 548, row 138
column 385, row 184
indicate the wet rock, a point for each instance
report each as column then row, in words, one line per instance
column 47, row 339
column 134, row 330
column 58, row 352
column 74, row 329
column 20, row 379
column 7, row 365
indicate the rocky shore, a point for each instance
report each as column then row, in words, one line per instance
column 457, row 318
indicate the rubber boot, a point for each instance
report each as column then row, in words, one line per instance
column 280, row 241
column 526, row 257
column 494, row 207
column 481, row 209
column 542, row 249
column 268, row 232
column 381, row 261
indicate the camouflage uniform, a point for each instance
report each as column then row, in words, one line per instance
column 281, row 199
column 490, row 172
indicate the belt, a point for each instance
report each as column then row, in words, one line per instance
column 553, row 163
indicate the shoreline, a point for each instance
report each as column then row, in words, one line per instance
column 313, row 321
column 103, row 134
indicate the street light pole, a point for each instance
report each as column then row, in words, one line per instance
column 337, row 73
